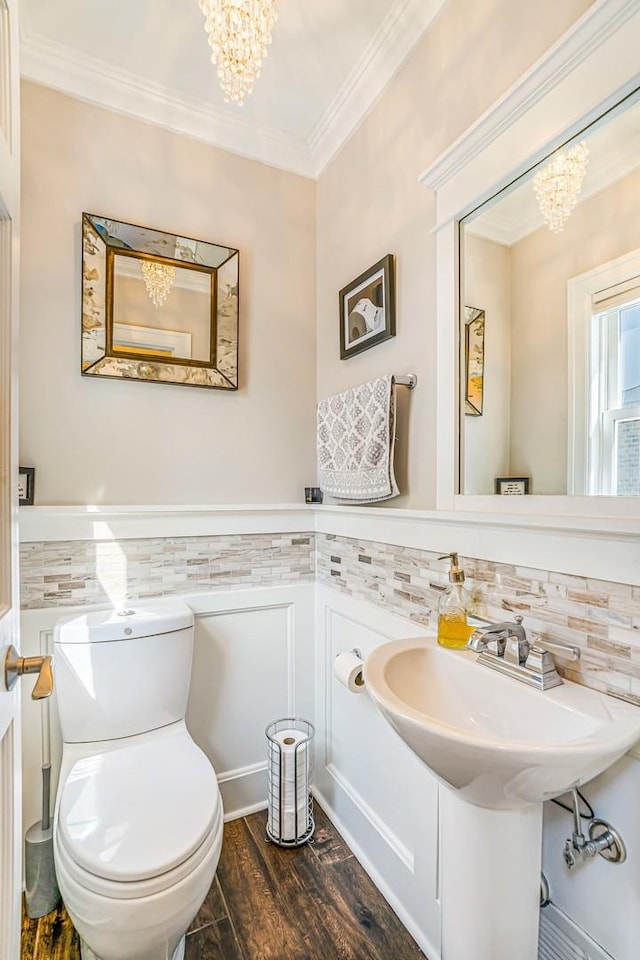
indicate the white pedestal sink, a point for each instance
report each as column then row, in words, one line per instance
column 501, row 749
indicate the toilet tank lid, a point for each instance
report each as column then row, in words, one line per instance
column 137, row 619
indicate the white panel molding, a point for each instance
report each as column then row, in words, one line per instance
column 381, row 828
column 250, row 607
column 241, row 772
column 601, row 20
column 134, row 522
column 401, row 29
column 378, row 824
column 600, row 546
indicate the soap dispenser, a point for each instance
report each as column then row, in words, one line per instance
column 453, row 608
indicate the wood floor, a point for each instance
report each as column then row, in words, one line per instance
column 313, row 903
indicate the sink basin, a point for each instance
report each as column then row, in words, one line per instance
column 499, row 743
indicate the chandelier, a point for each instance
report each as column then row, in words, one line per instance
column 158, row 279
column 557, row 186
column 239, row 33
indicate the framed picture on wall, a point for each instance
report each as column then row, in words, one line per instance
column 368, row 309
column 473, row 361
column 26, row 485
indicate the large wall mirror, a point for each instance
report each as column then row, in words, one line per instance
column 157, row 306
column 550, row 321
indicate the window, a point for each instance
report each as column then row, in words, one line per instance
column 604, row 379
column 614, row 385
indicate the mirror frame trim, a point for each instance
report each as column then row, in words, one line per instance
column 591, row 68
column 225, row 381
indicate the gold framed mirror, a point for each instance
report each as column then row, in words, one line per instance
column 157, row 306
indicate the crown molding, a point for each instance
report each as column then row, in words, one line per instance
column 86, row 78
column 401, row 29
column 601, row 20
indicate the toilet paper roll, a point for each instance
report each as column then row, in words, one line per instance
column 288, row 776
column 347, row 668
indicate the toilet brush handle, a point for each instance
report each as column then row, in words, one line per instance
column 46, row 796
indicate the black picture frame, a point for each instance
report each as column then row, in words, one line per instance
column 373, row 292
column 26, row 485
column 512, row 486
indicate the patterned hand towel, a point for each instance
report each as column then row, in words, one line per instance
column 356, row 438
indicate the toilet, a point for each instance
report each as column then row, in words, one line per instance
column 138, row 814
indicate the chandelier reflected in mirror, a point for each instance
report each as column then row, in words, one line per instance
column 239, row 33
column 158, row 280
column 557, row 186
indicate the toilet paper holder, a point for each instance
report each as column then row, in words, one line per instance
column 348, row 670
column 290, row 821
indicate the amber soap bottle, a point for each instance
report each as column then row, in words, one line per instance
column 453, row 609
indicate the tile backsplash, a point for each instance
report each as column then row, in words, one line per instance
column 77, row 572
column 601, row 617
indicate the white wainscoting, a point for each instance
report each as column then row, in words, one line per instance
column 381, row 798
column 253, row 663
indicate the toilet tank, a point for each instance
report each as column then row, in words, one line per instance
column 121, row 673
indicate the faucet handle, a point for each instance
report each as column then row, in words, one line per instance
column 567, row 651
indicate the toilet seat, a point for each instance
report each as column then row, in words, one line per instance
column 67, row 867
column 140, row 816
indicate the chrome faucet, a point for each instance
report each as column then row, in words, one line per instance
column 504, row 647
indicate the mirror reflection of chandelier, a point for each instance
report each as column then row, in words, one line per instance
column 158, row 279
column 557, row 186
column 239, row 33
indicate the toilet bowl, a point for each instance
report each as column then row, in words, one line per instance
column 138, row 820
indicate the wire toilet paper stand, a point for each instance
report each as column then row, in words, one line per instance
column 290, row 820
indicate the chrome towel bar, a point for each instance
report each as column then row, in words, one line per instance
column 406, row 380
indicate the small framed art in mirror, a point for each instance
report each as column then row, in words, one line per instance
column 157, row 306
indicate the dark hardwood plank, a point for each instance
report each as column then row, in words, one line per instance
column 375, row 932
column 328, row 845
column 299, row 891
column 269, row 903
column 264, row 929
column 217, row 941
column 338, row 910
column 212, row 910
column 28, row 936
column 52, row 937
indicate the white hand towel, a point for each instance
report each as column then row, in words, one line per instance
column 356, row 439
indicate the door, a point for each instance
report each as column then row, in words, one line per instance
column 10, row 820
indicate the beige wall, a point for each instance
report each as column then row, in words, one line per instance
column 108, row 441
column 602, row 228
column 370, row 202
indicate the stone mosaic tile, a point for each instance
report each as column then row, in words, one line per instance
column 599, row 617
column 107, row 571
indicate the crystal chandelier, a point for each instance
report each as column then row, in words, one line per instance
column 158, row 279
column 557, row 185
column 239, row 33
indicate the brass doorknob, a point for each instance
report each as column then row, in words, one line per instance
column 16, row 666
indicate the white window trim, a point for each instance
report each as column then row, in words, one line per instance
column 580, row 293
